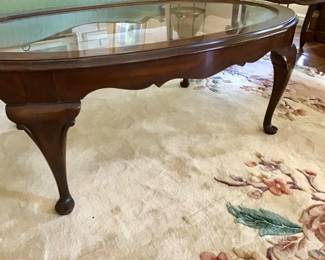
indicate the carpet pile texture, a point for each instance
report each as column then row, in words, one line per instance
column 170, row 173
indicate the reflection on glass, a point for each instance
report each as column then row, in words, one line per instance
column 127, row 26
column 187, row 20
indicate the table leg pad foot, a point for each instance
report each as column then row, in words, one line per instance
column 185, row 83
column 64, row 206
column 270, row 129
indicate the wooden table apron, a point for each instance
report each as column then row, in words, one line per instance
column 44, row 99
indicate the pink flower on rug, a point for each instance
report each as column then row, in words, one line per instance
column 251, row 164
column 212, row 256
column 299, row 112
column 310, row 173
column 313, row 219
column 277, row 187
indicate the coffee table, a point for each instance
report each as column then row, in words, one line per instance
column 50, row 59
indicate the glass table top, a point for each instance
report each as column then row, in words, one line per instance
column 133, row 27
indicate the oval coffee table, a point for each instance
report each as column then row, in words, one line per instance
column 51, row 59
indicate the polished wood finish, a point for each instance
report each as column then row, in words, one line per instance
column 320, row 32
column 283, row 61
column 313, row 54
column 305, row 34
column 43, row 93
column 308, row 33
column 47, row 125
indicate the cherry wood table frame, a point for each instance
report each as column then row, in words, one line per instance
column 43, row 93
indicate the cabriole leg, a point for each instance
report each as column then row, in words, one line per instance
column 47, row 125
column 283, row 62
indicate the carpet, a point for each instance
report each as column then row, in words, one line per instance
column 171, row 173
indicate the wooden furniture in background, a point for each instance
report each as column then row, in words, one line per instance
column 313, row 28
column 321, row 24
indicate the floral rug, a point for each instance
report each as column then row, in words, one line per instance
column 175, row 173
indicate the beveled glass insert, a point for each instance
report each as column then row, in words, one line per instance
column 130, row 25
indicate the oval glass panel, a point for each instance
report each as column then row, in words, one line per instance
column 131, row 25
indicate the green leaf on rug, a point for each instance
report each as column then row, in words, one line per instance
column 267, row 222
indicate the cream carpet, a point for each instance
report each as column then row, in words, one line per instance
column 175, row 173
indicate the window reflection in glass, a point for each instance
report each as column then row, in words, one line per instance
column 159, row 23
